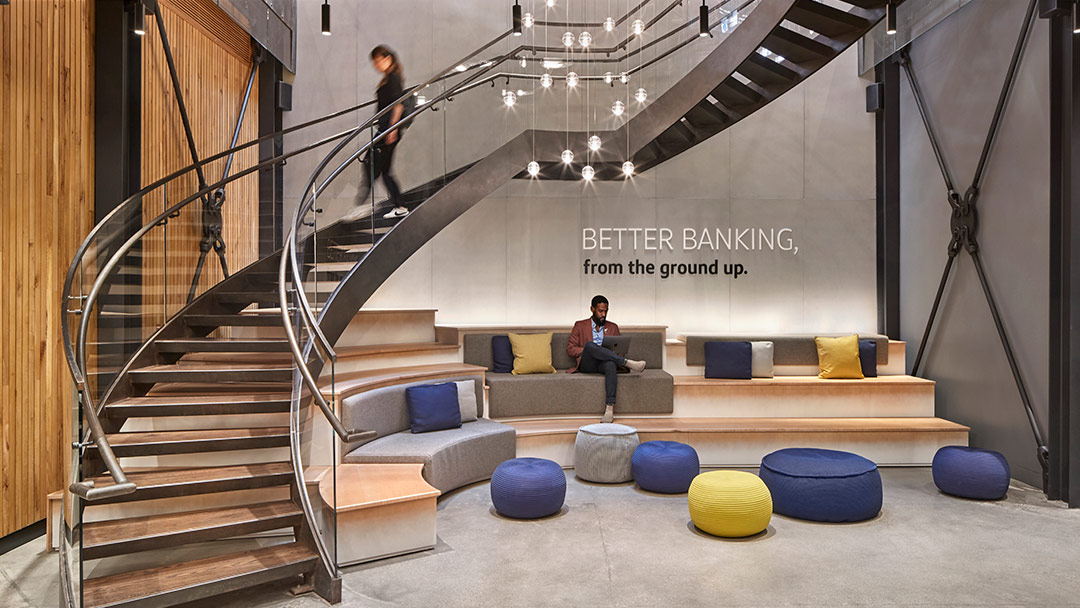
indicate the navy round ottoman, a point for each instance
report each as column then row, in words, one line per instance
column 971, row 472
column 666, row 467
column 528, row 488
column 822, row 485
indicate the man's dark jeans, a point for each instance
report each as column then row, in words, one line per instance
column 599, row 360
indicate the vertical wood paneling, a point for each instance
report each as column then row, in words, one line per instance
column 212, row 56
column 46, row 193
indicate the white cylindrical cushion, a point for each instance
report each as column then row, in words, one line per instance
column 602, row 452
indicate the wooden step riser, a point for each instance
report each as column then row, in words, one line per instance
column 213, row 321
column 347, row 365
column 211, row 376
column 195, row 423
column 209, row 459
column 123, row 412
column 675, row 363
column 389, row 327
column 222, row 346
column 746, row 449
column 841, row 401
column 199, row 446
column 148, row 500
column 194, row 536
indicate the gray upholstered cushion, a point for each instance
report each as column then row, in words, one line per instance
column 644, row 346
column 385, row 411
column 788, row 349
column 650, row 392
column 451, row 458
column 602, row 452
column 761, row 359
column 467, row 399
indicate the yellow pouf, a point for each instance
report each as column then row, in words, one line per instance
column 730, row 503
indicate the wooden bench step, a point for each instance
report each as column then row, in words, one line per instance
column 530, row 428
column 173, row 584
column 358, row 382
column 134, row 534
column 171, row 483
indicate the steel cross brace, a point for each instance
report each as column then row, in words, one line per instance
column 964, row 225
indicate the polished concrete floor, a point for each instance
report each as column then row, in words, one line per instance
column 620, row 547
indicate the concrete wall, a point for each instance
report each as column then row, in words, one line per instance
column 805, row 162
column 961, row 64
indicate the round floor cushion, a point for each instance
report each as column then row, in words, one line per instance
column 730, row 503
column 602, row 452
column 528, row 488
column 971, row 472
column 822, row 485
column 666, row 467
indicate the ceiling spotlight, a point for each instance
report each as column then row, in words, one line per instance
column 509, row 98
column 641, row 95
column 588, row 172
column 567, row 156
column 585, row 39
column 139, row 27
column 568, row 39
column 325, row 17
column 628, row 168
column 528, row 20
column 617, row 108
column 890, row 19
column 638, row 27
column 608, row 77
column 534, row 168
column 517, row 19
column 624, row 78
column 571, row 79
column 609, row 24
column 545, row 80
column 703, row 20
column 594, row 143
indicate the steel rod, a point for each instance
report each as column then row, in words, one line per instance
column 933, row 314
column 920, row 103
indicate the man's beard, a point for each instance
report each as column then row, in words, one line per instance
column 599, row 322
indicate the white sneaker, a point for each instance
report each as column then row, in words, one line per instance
column 395, row 213
column 635, row 366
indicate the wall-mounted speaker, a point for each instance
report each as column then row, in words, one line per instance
column 875, row 97
column 284, row 96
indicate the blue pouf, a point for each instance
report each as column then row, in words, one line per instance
column 822, row 485
column 971, row 472
column 667, row 467
column 528, row 488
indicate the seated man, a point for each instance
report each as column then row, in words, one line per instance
column 592, row 358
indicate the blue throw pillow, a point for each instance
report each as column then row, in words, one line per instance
column 868, row 358
column 433, row 407
column 731, row 360
column 502, row 356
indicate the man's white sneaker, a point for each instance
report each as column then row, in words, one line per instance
column 635, row 366
column 396, row 212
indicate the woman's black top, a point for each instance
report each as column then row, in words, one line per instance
column 389, row 91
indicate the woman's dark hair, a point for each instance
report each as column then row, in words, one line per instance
column 395, row 65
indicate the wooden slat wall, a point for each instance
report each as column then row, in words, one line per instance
column 212, row 56
column 46, row 208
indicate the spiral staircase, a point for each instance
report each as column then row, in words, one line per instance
column 257, row 343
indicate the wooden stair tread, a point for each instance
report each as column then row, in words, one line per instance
column 220, row 344
column 355, row 382
column 223, row 366
column 530, row 428
column 181, row 482
column 804, row 381
column 358, row 248
column 332, row 266
column 216, row 574
column 223, row 388
column 99, row 534
column 154, row 437
column 387, row 349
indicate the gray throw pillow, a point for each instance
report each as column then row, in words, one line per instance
column 466, row 393
column 761, row 360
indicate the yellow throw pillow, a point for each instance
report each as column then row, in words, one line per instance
column 532, row 354
column 839, row 357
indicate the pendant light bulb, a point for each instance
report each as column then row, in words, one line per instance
column 528, row 20
column 890, row 19
column 545, row 81
column 641, row 95
column 139, row 27
column 568, row 39
column 609, row 24
column 703, row 20
column 524, row 62
column 325, row 18
column 567, row 156
column 509, row 98
column 550, row 3
column 534, row 168
column 585, row 39
column 595, row 143
column 588, row 172
column 517, row 25
column 628, row 168
column 624, row 78
column 571, row 79
column 618, row 108
column 638, row 27
column 608, row 77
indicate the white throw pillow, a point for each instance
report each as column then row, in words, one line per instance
column 761, row 360
column 466, row 396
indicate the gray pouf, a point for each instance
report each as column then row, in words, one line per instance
column 602, row 452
